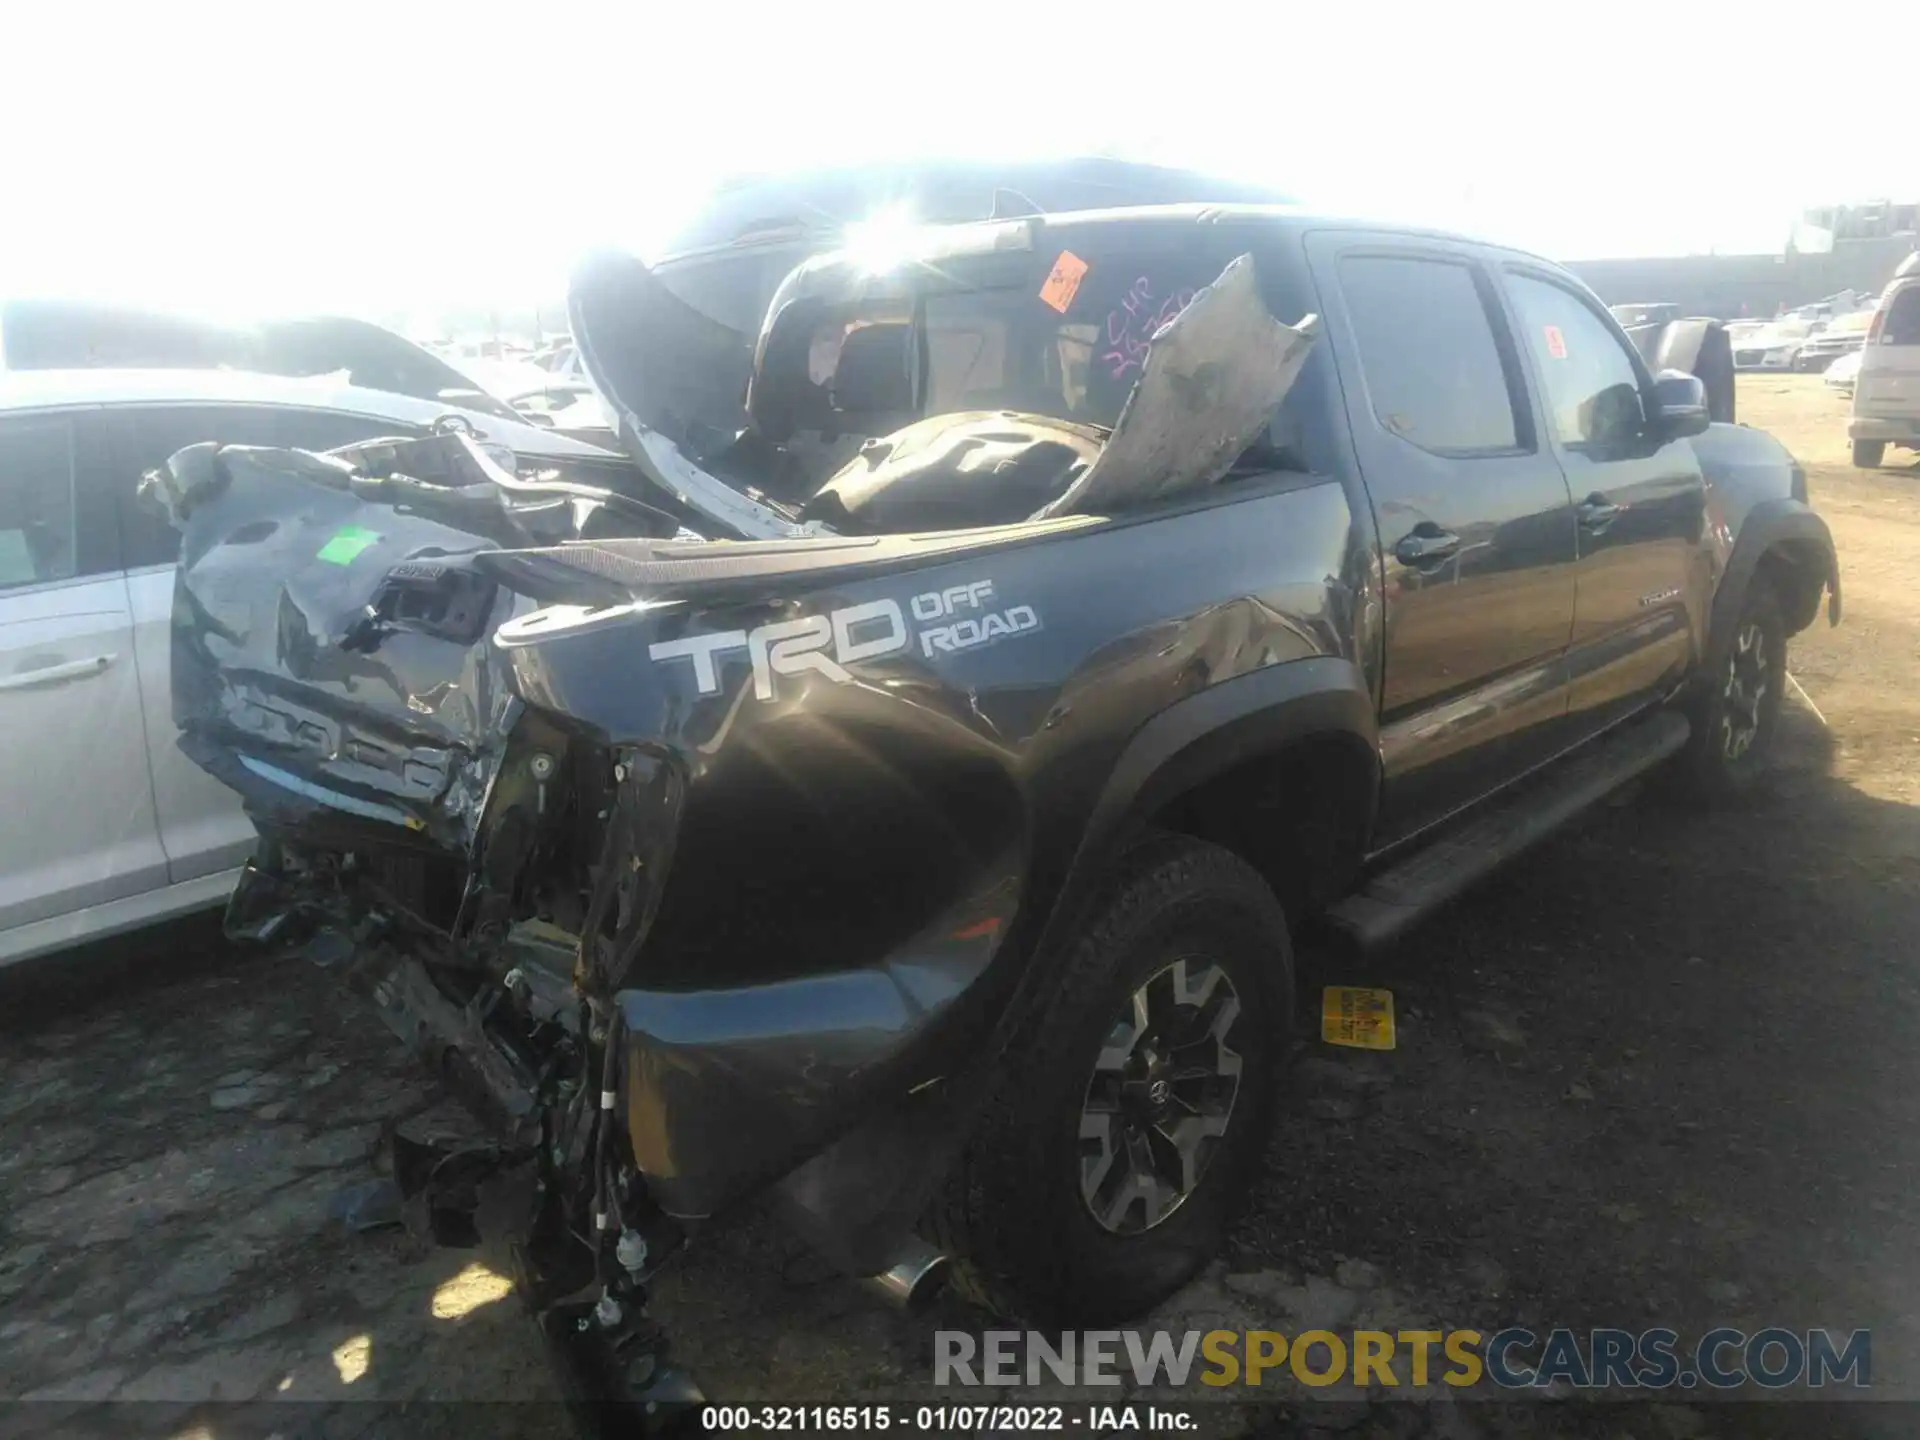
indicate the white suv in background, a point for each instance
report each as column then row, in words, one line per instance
column 1886, row 392
column 108, row 825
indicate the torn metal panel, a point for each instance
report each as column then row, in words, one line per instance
column 1211, row 382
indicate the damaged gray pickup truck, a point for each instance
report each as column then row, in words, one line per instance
column 905, row 804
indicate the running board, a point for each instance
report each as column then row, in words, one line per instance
column 1395, row 898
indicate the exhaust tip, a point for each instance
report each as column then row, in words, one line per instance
column 914, row 1278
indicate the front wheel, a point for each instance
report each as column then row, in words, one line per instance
column 1868, row 454
column 1739, row 711
column 1125, row 1119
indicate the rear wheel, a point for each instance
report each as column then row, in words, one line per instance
column 1126, row 1118
column 1735, row 721
column 1868, row 454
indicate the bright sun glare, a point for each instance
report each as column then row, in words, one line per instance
column 351, row 1358
column 468, row 1291
column 886, row 239
column 1544, row 126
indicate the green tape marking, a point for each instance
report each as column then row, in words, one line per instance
column 347, row 542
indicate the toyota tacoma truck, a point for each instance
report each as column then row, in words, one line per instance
column 904, row 806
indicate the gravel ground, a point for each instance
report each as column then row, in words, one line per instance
column 1658, row 1073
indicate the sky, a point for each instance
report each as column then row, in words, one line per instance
column 409, row 155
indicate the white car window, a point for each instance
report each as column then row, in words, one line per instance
column 37, row 513
column 1902, row 325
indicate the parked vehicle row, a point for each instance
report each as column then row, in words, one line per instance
column 1842, row 335
column 1794, row 343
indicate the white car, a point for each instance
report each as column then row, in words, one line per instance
column 1841, row 373
column 110, row 825
column 1774, row 346
column 1842, row 335
column 1886, row 395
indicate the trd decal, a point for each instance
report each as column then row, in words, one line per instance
column 958, row 618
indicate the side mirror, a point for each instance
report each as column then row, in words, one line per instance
column 1679, row 405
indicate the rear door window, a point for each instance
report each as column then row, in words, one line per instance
column 1902, row 325
column 39, row 517
column 329, row 429
column 1429, row 354
column 148, row 435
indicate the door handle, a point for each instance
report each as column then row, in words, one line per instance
column 1426, row 544
column 1596, row 513
column 54, row 674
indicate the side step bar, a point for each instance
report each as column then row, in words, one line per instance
column 1392, row 900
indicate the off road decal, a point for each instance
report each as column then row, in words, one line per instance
column 958, row 618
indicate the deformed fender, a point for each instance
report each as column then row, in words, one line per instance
column 1205, row 735
column 856, row 1200
column 1771, row 523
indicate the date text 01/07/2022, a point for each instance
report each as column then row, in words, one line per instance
column 973, row 1419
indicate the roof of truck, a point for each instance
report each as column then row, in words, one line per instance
column 819, row 203
column 1288, row 217
column 937, row 246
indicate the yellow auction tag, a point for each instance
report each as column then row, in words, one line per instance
column 1358, row 1016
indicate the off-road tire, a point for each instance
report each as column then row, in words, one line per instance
column 1023, row 1240
column 1868, row 454
column 1709, row 772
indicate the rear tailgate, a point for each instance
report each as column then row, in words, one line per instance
column 328, row 650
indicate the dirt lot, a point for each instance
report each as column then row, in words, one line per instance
column 1662, row 1072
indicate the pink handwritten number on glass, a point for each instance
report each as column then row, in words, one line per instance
column 1132, row 324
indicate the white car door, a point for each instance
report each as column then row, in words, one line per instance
column 79, row 814
column 202, row 827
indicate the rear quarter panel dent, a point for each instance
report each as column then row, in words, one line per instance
column 833, row 829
